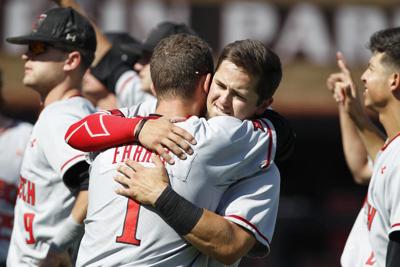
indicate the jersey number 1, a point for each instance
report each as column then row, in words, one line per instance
column 128, row 235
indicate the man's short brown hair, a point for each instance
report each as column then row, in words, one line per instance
column 178, row 63
column 258, row 61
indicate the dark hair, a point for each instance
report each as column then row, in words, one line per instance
column 387, row 41
column 178, row 63
column 259, row 61
column 87, row 58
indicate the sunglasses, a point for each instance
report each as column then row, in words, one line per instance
column 37, row 48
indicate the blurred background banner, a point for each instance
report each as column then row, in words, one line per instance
column 311, row 30
column 319, row 199
column 306, row 34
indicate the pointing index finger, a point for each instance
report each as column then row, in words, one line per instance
column 342, row 63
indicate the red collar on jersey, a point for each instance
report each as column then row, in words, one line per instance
column 388, row 142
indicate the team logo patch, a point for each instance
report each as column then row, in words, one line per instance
column 38, row 22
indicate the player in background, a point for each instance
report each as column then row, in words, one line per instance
column 133, row 86
column 381, row 214
column 248, row 240
column 129, row 79
column 358, row 157
column 52, row 194
column 358, row 161
column 93, row 89
column 14, row 136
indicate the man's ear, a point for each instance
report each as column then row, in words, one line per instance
column 207, row 83
column 72, row 61
column 264, row 105
column 394, row 83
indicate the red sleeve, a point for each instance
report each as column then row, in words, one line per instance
column 100, row 131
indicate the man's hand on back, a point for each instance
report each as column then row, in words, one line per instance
column 161, row 134
column 142, row 184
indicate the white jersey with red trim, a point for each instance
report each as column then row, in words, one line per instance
column 129, row 90
column 13, row 140
column 357, row 251
column 383, row 215
column 251, row 203
column 119, row 232
column 43, row 201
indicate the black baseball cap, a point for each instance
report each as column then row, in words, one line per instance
column 118, row 38
column 126, row 45
column 125, row 42
column 65, row 29
column 160, row 32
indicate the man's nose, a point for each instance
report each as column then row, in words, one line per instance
column 25, row 56
column 225, row 98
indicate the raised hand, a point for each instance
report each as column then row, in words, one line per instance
column 339, row 81
column 344, row 90
column 352, row 100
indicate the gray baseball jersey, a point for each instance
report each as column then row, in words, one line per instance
column 129, row 91
column 251, row 203
column 44, row 202
column 382, row 210
column 13, row 140
column 227, row 151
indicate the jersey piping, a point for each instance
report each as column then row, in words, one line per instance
column 249, row 224
column 71, row 159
